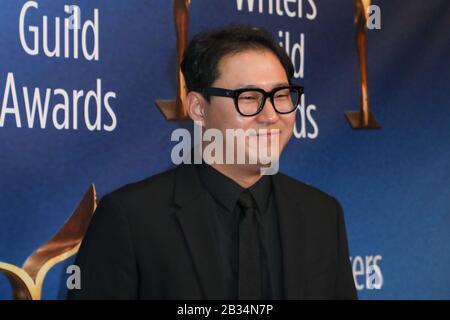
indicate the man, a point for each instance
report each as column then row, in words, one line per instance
column 222, row 231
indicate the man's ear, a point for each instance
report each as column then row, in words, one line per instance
column 195, row 106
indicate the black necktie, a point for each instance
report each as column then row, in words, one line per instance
column 250, row 275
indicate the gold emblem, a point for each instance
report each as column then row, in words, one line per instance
column 363, row 119
column 176, row 109
column 26, row 282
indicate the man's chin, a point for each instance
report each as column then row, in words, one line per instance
column 259, row 161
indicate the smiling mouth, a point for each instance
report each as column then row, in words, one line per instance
column 268, row 134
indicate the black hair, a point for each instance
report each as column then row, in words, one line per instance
column 206, row 49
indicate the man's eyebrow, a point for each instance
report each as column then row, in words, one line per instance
column 252, row 86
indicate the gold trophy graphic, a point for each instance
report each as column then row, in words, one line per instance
column 176, row 109
column 363, row 119
column 27, row 282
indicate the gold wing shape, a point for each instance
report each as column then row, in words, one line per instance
column 26, row 282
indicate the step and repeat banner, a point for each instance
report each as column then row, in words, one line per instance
column 79, row 81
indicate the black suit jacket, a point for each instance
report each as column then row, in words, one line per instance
column 154, row 239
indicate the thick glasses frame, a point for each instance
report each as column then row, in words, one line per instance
column 234, row 94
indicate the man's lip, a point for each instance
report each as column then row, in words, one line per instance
column 267, row 134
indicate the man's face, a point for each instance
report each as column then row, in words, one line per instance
column 250, row 68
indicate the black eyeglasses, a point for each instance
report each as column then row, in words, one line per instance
column 251, row 101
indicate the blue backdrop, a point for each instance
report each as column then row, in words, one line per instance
column 394, row 183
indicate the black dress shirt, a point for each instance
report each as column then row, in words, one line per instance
column 223, row 194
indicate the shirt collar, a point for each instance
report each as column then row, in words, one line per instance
column 226, row 191
column 261, row 192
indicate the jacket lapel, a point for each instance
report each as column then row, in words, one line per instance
column 291, row 224
column 194, row 215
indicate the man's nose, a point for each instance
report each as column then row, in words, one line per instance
column 268, row 113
